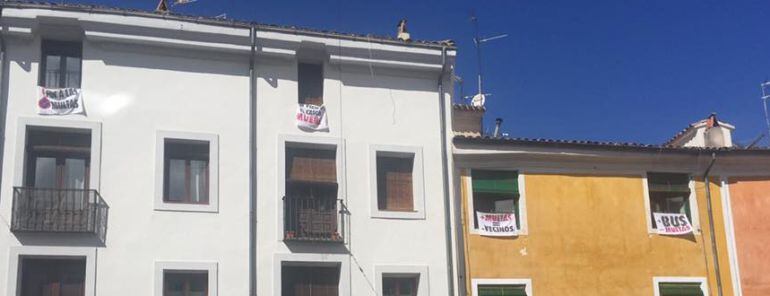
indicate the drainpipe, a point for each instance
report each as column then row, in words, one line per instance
column 252, row 165
column 711, row 223
column 445, row 173
column 3, row 94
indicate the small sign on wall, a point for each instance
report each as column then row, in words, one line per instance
column 672, row 224
column 312, row 117
column 492, row 224
column 59, row 101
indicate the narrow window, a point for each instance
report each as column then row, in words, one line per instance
column 310, row 204
column 185, row 283
column 394, row 183
column 399, row 285
column 60, row 64
column 186, row 171
column 311, row 83
column 502, row 290
column 680, row 289
column 495, row 192
column 669, row 193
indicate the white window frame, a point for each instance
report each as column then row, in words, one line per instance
column 310, row 259
column 314, row 142
column 694, row 212
column 421, row 271
column 523, row 228
column 656, row 281
column 96, row 144
column 213, row 140
column 475, row 283
column 209, row 267
column 418, row 187
column 16, row 253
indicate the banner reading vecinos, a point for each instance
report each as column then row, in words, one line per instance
column 672, row 224
column 492, row 224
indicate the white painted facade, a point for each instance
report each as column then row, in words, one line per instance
column 145, row 78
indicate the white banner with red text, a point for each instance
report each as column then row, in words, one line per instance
column 312, row 117
column 495, row 224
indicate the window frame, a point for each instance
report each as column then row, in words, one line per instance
column 213, row 172
column 73, row 49
column 314, row 62
column 316, row 259
column 522, row 215
column 476, row 282
column 209, row 267
column 418, row 271
column 187, row 198
column 693, row 199
column 18, row 253
column 656, row 281
column 418, row 187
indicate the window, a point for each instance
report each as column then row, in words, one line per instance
column 669, row 193
column 310, row 280
column 185, row 283
column 186, row 171
column 394, row 183
column 502, row 287
column 58, row 158
column 60, row 65
column 502, row 290
column 679, row 286
column 399, row 285
column 495, row 192
column 310, row 204
column 310, row 80
column 60, row 277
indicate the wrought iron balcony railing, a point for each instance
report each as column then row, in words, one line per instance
column 58, row 210
column 313, row 219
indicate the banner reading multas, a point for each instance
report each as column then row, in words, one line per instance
column 497, row 224
column 312, row 117
column 59, row 101
column 673, row 224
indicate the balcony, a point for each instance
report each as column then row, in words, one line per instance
column 47, row 210
column 313, row 219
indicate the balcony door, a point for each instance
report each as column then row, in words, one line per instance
column 53, row 277
column 58, row 159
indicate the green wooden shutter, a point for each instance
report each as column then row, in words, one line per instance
column 502, row 290
column 506, row 182
column 680, row 289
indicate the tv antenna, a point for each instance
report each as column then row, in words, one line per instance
column 480, row 98
column 765, row 96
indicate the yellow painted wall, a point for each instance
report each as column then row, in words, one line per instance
column 587, row 235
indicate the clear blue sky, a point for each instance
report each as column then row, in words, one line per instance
column 599, row 70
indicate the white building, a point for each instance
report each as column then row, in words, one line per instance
column 179, row 170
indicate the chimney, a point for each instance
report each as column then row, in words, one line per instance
column 467, row 120
column 709, row 132
column 498, row 123
column 401, row 33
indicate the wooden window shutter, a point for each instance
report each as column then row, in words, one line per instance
column 394, row 183
column 311, row 165
column 502, row 290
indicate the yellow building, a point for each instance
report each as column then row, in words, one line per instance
column 584, row 213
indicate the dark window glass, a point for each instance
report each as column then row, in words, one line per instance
column 58, row 158
column 669, row 193
column 60, row 64
column 186, row 171
column 310, row 83
column 495, row 192
column 185, row 283
column 502, row 290
column 59, row 277
column 680, row 289
column 394, row 183
column 399, row 285
column 310, row 280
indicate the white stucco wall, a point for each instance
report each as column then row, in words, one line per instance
column 134, row 92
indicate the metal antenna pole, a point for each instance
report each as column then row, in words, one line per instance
column 765, row 97
column 477, row 42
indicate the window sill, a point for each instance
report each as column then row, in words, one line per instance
column 186, row 207
column 406, row 215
